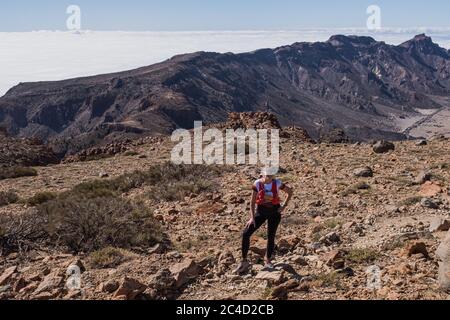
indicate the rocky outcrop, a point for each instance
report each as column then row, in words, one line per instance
column 250, row 120
column 94, row 153
column 24, row 152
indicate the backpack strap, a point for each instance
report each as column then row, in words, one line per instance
column 274, row 189
column 261, row 187
column 276, row 199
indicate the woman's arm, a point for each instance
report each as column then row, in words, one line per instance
column 252, row 208
column 289, row 191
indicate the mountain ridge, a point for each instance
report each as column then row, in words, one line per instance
column 350, row 82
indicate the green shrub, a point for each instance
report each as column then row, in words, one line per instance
column 331, row 279
column 93, row 215
column 168, row 181
column 364, row 255
column 332, row 223
column 108, row 257
column 8, row 197
column 40, row 198
column 83, row 224
column 178, row 190
column 17, row 172
column 410, row 201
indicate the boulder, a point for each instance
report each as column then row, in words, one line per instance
column 129, row 289
column 51, row 282
column 430, row 189
column 383, row 147
column 416, row 247
column 109, row 286
column 7, row 275
column 184, row 272
column 439, row 224
column 288, row 243
column 274, row 277
column 365, row 172
column 330, row 238
column 281, row 291
column 334, row 259
column 429, row 203
column 421, row 143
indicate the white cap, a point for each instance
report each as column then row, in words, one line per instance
column 270, row 171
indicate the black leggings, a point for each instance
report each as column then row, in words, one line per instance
column 273, row 218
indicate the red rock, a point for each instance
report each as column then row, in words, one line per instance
column 281, row 291
column 288, row 243
column 184, row 272
column 50, row 282
column 129, row 289
column 430, row 189
column 109, row 286
column 7, row 274
column 416, row 247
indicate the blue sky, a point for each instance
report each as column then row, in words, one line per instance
column 192, row 15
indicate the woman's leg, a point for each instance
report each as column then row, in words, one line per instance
column 272, row 227
column 260, row 218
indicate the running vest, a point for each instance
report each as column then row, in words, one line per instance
column 260, row 200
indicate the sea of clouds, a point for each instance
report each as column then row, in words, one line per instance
column 56, row 55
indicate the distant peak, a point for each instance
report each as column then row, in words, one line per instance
column 424, row 44
column 339, row 40
column 419, row 39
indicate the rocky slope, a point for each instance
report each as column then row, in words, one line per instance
column 24, row 152
column 353, row 209
column 368, row 88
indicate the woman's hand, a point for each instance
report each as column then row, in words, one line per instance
column 281, row 209
column 251, row 222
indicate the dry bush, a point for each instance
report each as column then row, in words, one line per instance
column 93, row 215
column 40, row 198
column 178, row 190
column 168, row 182
column 8, row 197
column 20, row 232
column 17, row 172
column 83, row 224
column 180, row 179
column 108, row 257
column 362, row 255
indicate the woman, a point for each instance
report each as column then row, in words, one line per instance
column 266, row 200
